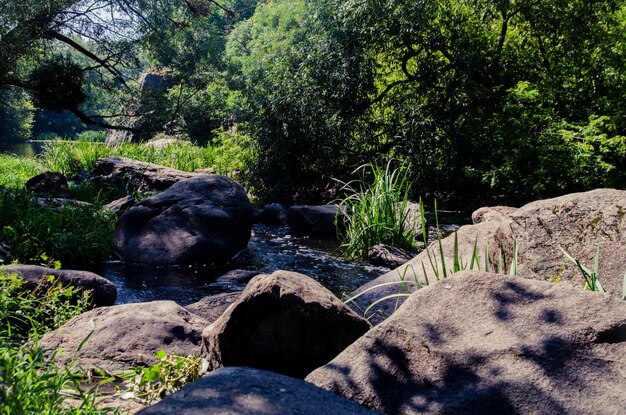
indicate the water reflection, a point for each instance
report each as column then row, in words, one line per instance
column 30, row 149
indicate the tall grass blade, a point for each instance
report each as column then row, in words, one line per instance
column 443, row 259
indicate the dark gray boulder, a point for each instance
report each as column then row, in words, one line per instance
column 316, row 220
column 388, row 256
column 138, row 175
column 123, row 336
column 480, row 343
column 241, row 390
column 284, row 322
column 273, row 214
column 103, row 292
column 206, row 219
column 48, row 183
column 212, row 307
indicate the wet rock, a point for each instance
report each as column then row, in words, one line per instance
column 284, row 322
column 388, row 256
column 273, row 214
column 103, row 292
column 241, row 390
column 138, row 175
column 316, row 220
column 212, row 307
column 121, row 205
column 206, row 219
column 482, row 343
column 48, row 183
column 122, row 336
column 237, row 277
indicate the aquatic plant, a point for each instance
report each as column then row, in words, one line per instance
column 377, row 210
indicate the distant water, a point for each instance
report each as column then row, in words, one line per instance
column 28, row 149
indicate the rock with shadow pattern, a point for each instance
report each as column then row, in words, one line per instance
column 212, row 307
column 241, row 390
column 480, row 343
column 284, row 322
column 122, row 336
column 206, row 219
column 578, row 222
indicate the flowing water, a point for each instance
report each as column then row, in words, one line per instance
column 269, row 249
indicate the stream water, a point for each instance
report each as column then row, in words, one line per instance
column 269, row 249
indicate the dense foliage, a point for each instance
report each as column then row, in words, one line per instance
column 500, row 101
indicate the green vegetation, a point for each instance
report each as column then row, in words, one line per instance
column 30, row 383
column 76, row 235
column 378, row 212
column 15, row 171
column 153, row 383
column 231, row 152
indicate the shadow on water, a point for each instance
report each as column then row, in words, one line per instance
column 269, row 249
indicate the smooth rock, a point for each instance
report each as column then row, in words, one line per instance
column 316, row 220
column 122, row 336
column 480, row 343
column 103, row 292
column 241, row 390
column 138, row 175
column 284, row 322
column 212, row 307
column 236, row 277
column 206, row 219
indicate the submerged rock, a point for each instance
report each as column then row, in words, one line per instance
column 241, row 390
column 103, row 292
column 482, row 343
column 206, row 219
column 284, row 322
column 122, row 336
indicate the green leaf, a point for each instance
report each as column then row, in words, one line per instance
column 161, row 354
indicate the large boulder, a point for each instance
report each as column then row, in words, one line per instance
column 578, row 222
column 241, row 390
column 323, row 220
column 206, row 219
column 482, row 343
column 284, row 322
column 139, row 175
column 118, row 338
column 102, row 291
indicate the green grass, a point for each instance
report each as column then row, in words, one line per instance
column 72, row 157
column 15, row 171
column 77, row 236
column 30, row 382
column 377, row 211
